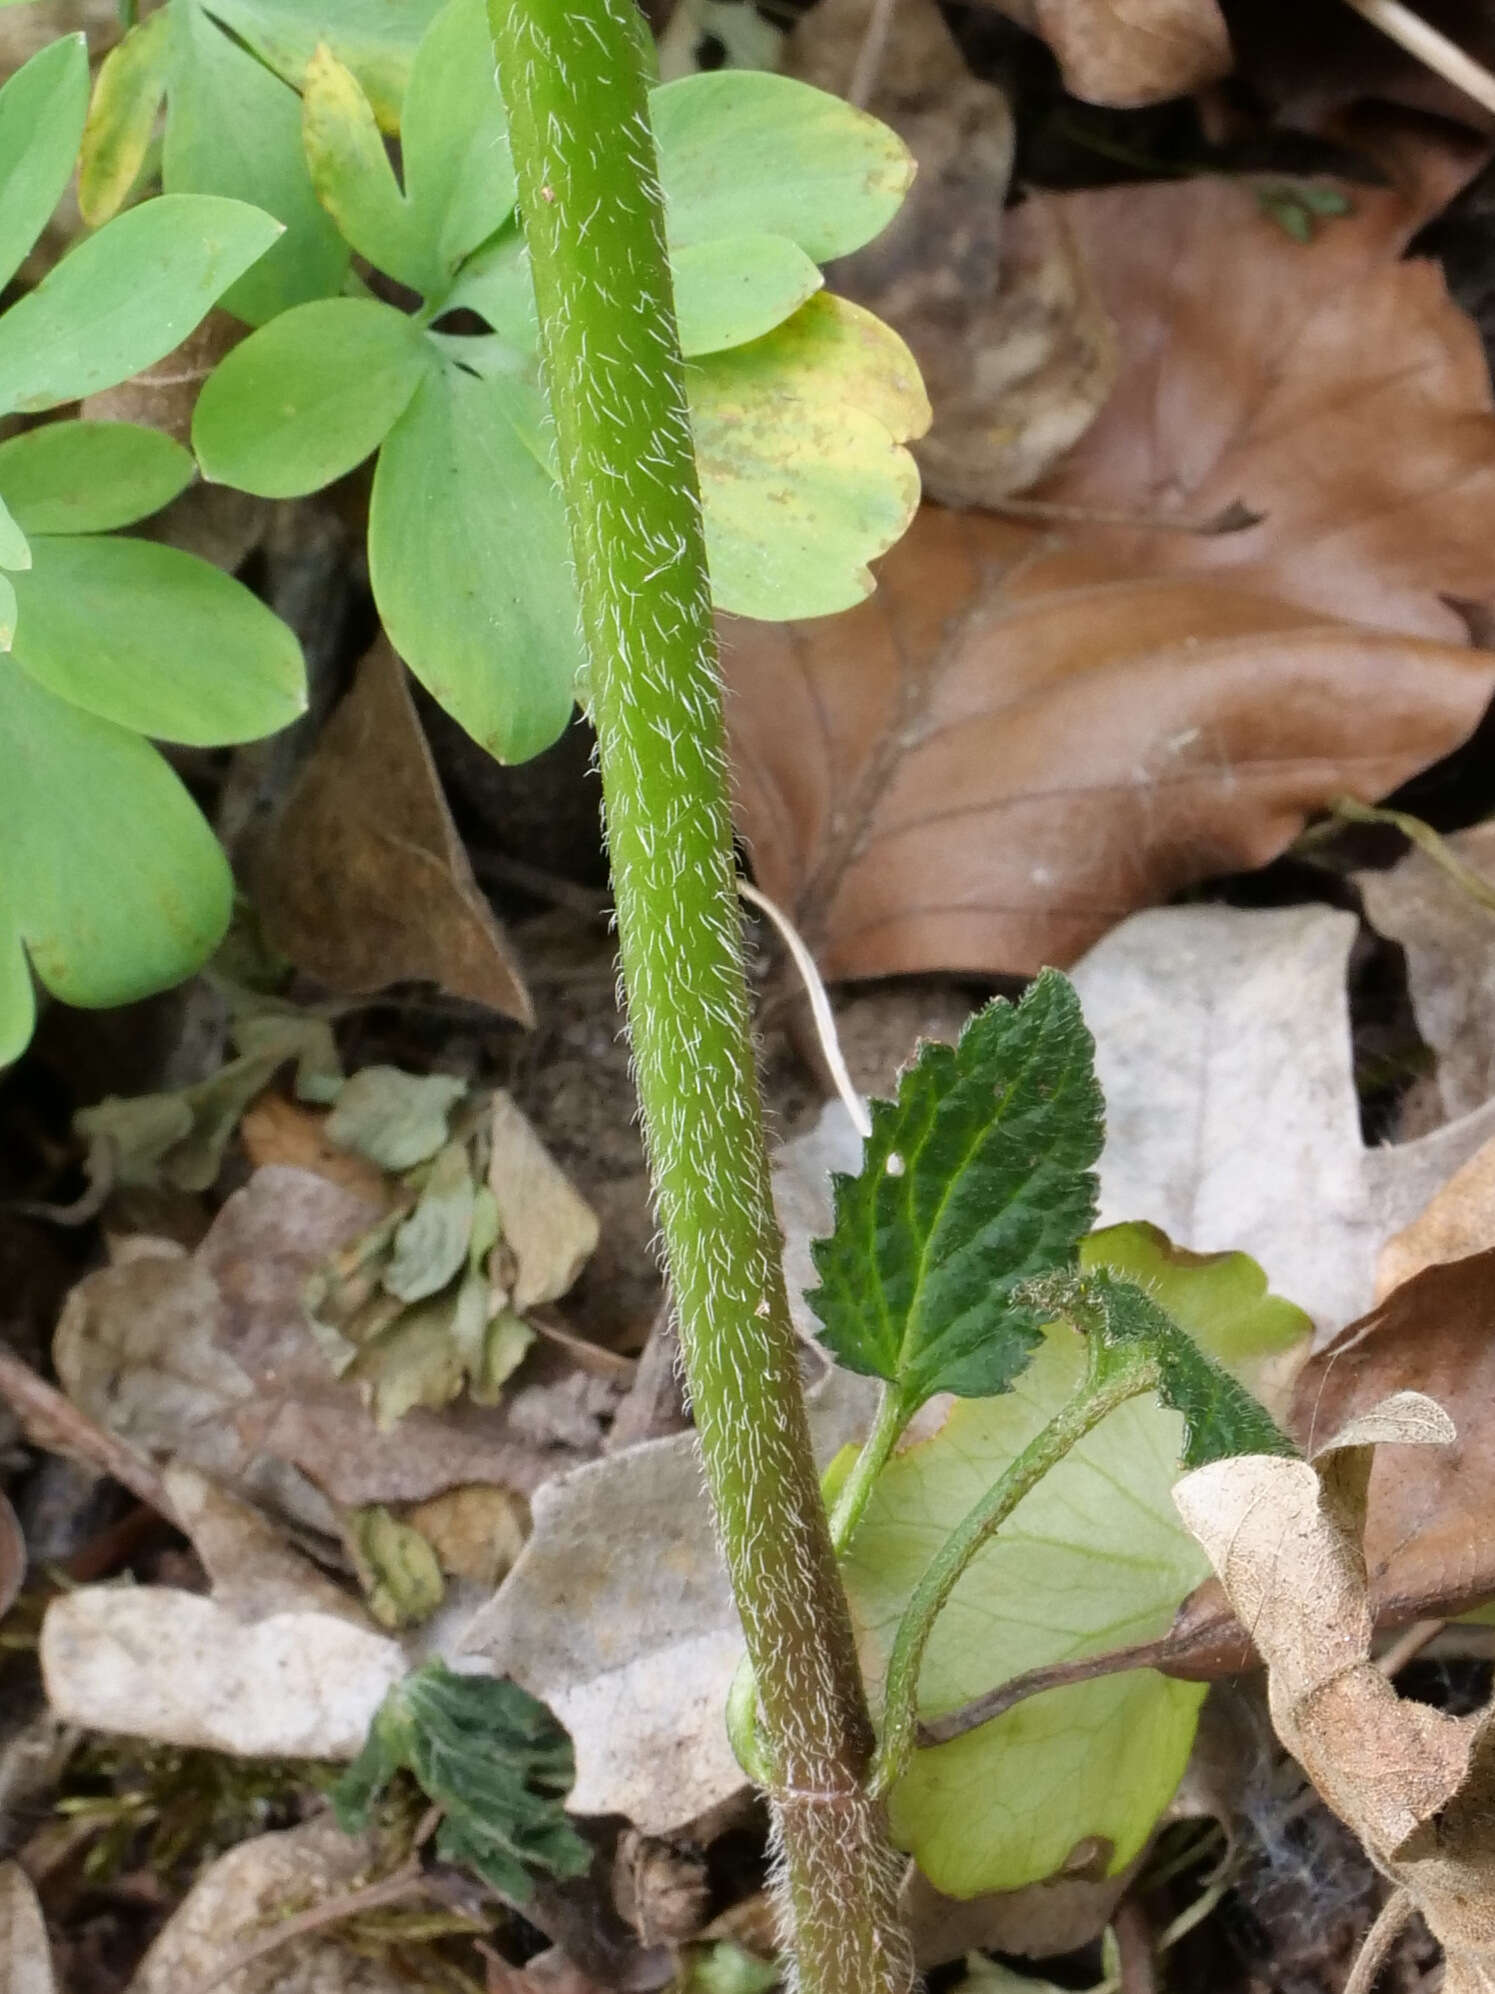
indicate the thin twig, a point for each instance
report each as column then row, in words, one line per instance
column 1408, row 1646
column 53, row 1421
column 407, row 1881
column 1391, row 1921
column 1232, row 518
column 871, row 53
column 1420, row 38
column 1428, row 841
column 820, row 1005
column 1138, row 1965
column 996, row 1702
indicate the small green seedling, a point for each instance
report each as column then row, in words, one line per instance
column 110, row 881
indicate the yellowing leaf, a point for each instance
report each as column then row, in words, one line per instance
column 804, row 479
column 122, row 116
column 351, row 173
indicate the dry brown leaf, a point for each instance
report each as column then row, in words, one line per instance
column 1458, row 1222
column 25, row 1956
column 1415, row 1784
column 365, row 881
column 1015, row 350
column 163, row 396
column 1129, row 52
column 12, row 1557
column 549, row 1229
column 1019, row 739
column 276, row 1130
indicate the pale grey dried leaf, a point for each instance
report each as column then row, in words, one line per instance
column 548, row 1227
column 25, row 1956
column 1223, row 1047
column 395, row 1119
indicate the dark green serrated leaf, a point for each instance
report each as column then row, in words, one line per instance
column 493, row 1757
column 1220, row 1416
column 977, row 1178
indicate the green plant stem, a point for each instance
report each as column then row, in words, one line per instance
column 1098, row 1396
column 572, row 79
column 1350, row 810
column 893, row 1415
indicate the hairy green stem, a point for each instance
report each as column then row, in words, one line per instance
column 572, row 79
column 1098, row 1396
column 876, row 1451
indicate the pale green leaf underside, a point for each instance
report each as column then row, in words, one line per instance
column 156, row 640
column 123, row 298
column 42, row 109
column 745, row 152
column 90, row 477
column 14, row 549
column 739, row 288
column 1094, row 1558
column 233, row 128
column 804, row 479
column 111, row 877
column 469, row 560
column 8, row 611
column 309, row 396
column 978, row 1177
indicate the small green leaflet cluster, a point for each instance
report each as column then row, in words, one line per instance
column 1127, row 1331
column 979, row 1177
column 110, row 881
column 492, row 1757
column 799, row 399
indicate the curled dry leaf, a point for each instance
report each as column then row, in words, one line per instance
column 365, row 881
column 25, row 1956
column 1016, row 351
column 1022, row 737
column 1457, row 1222
column 1129, row 52
column 1415, row 1784
column 12, row 1557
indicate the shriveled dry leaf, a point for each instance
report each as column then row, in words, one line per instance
column 1022, row 737
column 244, row 1895
column 1449, row 939
column 548, row 1227
column 276, row 1130
column 212, row 1358
column 1016, row 351
column 365, row 881
column 12, row 1557
column 1415, row 1784
column 1129, row 52
column 25, row 1956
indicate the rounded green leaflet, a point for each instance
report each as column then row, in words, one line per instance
column 738, row 288
column 454, row 141
column 804, row 479
column 353, row 177
column 122, row 299
column 306, row 398
column 90, row 477
column 42, row 108
column 234, row 128
column 110, row 876
column 156, row 640
column 1093, row 1559
column 15, row 551
column 470, row 564
column 745, row 152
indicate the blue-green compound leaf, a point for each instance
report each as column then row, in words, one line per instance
column 89, row 477
column 492, row 1757
column 744, row 152
column 738, row 289
column 977, row 1178
column 309, row 396
column 125, row 297
column 1095, row 1558
column 41, row 120
column 108, row 873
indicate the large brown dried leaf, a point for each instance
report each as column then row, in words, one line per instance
column 1021, row 738
column 1016, row 352
column 366, row 882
